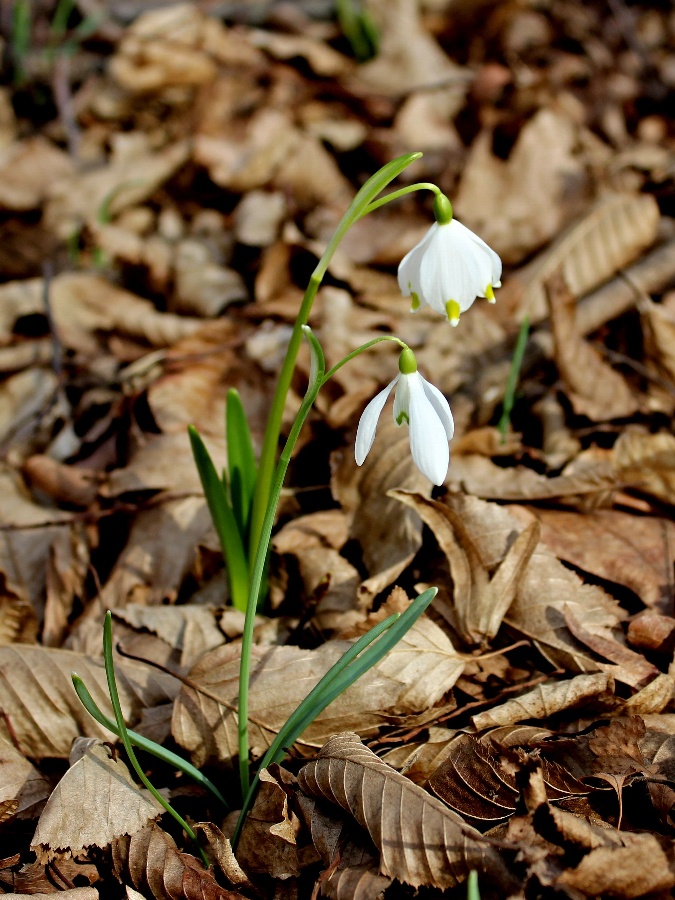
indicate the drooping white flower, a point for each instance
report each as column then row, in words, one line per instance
column 450, row 267
column 426, row 412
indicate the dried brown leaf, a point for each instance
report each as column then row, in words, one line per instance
column 546, row 699
column 547, row 586
column 613, row 234
column 41, row 713
column 20, row 781
column 594, row 388
column 480, row 602
column 159, row 870
column 631, row 550
column 101, row 786
column 420, row 840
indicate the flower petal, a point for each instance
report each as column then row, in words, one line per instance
column 365, row 433
column 441, row 407
column 428, row 440
column 409, row 268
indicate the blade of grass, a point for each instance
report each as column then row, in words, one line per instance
column 512, row 380
column 224, row 521
column 143, row 743
column 124, row 735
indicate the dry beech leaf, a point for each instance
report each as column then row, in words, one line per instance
column 477, row 782
column 421, row 841
column 352, row 869
column 156, row 868
column 40, row 711
column 658, row 329
column 28, row 169
column 594, row 388
column 632, row 550
column 413, row 676
column 113, row 805
column 480, row 602
column 546, row 699
column 608, row 238
column 20, row 781
column 545, row 591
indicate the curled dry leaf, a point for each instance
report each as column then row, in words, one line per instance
column 40, row 711
column 546, row 590
column 101, row 785
column 595, row 389
column 480, row 601
column 412, row 677
column 421, row 841
column 155, row 866
column 546, row 699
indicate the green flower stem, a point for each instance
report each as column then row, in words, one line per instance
column 143, row 743
column 358, row 207
column 258, row 573
column 366, row 346
column 124, row 735
column 401, row 192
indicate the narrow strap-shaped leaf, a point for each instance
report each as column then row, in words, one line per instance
column 143, row 743
column 241, row 464
column 361, row 657
column 224, row 521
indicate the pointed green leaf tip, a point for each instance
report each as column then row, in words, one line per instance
column 407, row 364
column 442, row 209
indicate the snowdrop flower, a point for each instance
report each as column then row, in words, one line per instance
column 426, row 412
column 450, row 267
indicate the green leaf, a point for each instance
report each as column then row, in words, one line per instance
column 224, row 521
column 143, row 743
column 241, row 464
column 362, row 656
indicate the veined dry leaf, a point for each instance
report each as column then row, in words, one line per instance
column 40, row 711
column 412, row 677
column 20, row 781
column 480, row 601
column 80, row 893
column 611, row 236
column 546, row 699
column 632, row 550
column 646, row 462
column 28, row 169
column 595, row 389
column 159, row 870
column 421, row 841
column 546, row 587
column 101, row 787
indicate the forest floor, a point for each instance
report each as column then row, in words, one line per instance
column 169, row 177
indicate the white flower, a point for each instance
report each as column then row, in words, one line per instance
column 449, row 268
column 427, row 414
